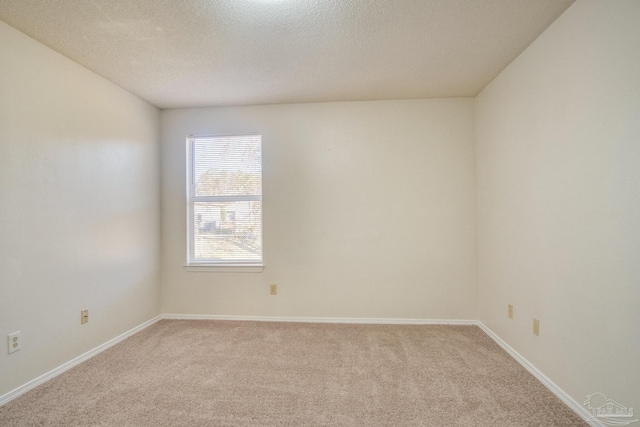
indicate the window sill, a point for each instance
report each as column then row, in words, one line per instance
column 210, row 268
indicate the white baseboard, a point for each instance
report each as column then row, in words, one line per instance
column 5, row 398
column 575, row 406
column 355, row 320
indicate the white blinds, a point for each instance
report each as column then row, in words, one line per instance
column 225, row 199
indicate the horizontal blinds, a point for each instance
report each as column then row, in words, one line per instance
column 227, row 166
column 225, row 199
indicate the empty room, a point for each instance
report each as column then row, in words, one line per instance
column 320, row 213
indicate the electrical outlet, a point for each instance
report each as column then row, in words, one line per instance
column 510, row 311
column 273, row 289
column 15, row 342
column 536, row 327
column 84, row 316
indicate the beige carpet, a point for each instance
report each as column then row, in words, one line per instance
column 215, row 373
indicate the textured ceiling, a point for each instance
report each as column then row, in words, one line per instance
column 186, row 53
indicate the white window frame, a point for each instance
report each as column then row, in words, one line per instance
column 215, row 266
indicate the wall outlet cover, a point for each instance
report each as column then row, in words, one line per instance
column 15, row 342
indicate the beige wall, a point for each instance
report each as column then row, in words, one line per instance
column 79, row 208
column 558, row 185
column 369, row 211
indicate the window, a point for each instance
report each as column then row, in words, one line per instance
column 224, row 203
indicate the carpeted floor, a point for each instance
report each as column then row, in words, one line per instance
column 223, row 373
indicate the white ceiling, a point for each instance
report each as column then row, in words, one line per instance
column 186, row 53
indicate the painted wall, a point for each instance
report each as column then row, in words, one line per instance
column 79, row 208
column 558, row 191
column 368, row 211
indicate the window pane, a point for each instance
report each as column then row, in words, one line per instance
column 229, row 231
column 227, row 166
